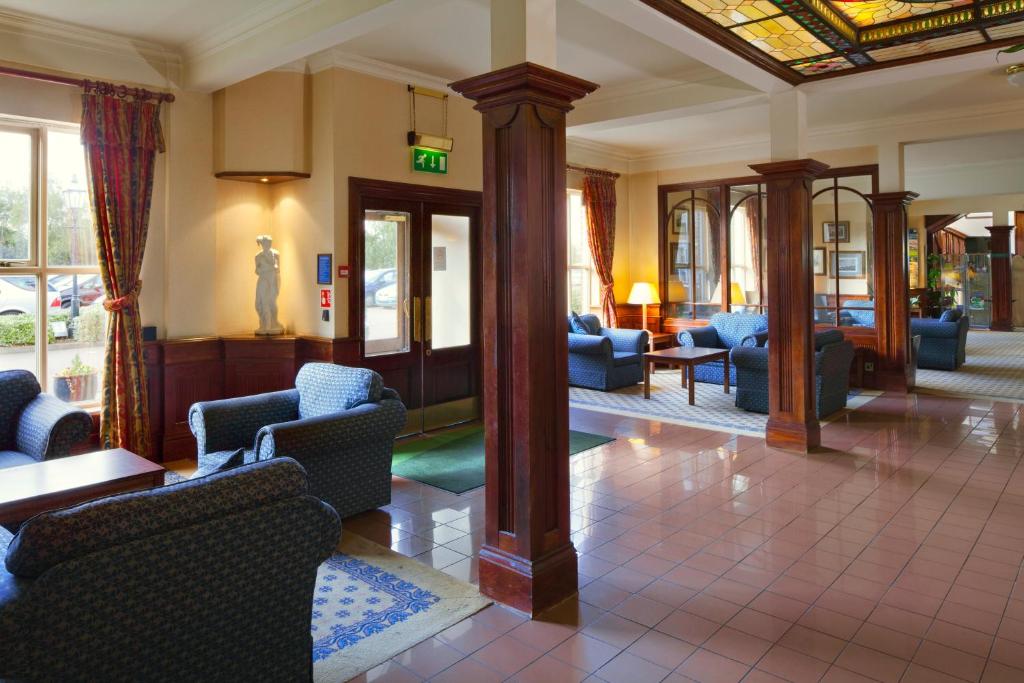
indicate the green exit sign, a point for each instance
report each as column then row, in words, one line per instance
column 429, row 160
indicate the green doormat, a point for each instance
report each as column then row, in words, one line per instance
column 454, row 460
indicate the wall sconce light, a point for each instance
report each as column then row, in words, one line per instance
column 1015, row 74
column 441, row 142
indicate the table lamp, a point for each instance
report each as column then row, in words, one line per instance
column 644, row 293
column 736, row 295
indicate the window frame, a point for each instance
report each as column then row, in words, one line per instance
column 37, row 265
column 591, row 302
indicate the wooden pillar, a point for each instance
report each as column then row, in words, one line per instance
column 1002, row 284
column 892, row 288
column 527, row 560
column 792, row 414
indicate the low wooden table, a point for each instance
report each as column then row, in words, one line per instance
column 27, row 490
column 687, row 358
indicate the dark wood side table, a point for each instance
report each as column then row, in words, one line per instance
column 686, row 358
column 27, row 490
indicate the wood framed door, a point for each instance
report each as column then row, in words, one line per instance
column 414, row 300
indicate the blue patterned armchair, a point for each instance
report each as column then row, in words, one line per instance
column 725, row 331
column 604, row 358
column 833, row 355
column 35, row 426
column 943, row 340
column 340, row 423
column 204, row 580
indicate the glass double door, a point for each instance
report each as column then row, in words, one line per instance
column 419, row 304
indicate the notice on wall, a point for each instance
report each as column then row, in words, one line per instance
column 440, row 259
column 325, row 298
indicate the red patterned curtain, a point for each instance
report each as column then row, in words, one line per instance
column 753, row 207
column 599, row 200
column 122, row 137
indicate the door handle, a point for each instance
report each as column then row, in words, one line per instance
column 416, row 319
column 427, row 330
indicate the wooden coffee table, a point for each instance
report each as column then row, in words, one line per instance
column 686, row 358
column 27, row 490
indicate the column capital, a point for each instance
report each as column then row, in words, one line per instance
column 792, row 168
column 1000, row 229
column 892, row 198
column 524, row 82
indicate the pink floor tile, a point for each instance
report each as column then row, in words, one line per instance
column 707, row 667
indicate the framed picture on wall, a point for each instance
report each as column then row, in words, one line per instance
column 848, row 264
column 819, row 261
column 679, row 253
column 681, row 223
column 836, row 232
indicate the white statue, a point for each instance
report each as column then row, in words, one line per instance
column 268, row 286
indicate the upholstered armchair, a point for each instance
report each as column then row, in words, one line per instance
column 113, row 589
column 35, row 426
column 604, row 358
column 725, row 331
column 340, row 423
column 833, row 355
column 943, row 340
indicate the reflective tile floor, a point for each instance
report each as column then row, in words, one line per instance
column 892, row 555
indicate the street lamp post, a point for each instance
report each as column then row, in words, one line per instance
column 74, row 200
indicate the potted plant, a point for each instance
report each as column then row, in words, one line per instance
column 76, row 382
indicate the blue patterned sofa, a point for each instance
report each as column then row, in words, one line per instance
column 943, row 340
column 833, row 356
column 35, row 426
column 602, row 357
column 204, row 580
column 725, row 331
column 340, row 423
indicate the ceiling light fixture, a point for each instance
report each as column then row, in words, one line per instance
column 1015, row 74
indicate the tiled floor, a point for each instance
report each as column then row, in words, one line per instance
column 894, row 555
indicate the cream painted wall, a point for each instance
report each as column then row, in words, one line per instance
column 243, row 213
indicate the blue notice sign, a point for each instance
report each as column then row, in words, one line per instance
column 323, row 269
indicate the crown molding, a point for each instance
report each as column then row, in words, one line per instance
column 262, row 16
column 338, row 59
column 967, row 114
column 590, row 153
column 698, row 73
column 70, row 35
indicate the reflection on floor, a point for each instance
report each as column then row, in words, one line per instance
column 894, row 555
column 994, row 368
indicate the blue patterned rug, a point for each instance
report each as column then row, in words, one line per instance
column 994, row 369
column 371, row 604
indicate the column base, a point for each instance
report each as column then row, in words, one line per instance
column 893, row 380
column 528, row 586
column 1001, row 327
column 792, row 436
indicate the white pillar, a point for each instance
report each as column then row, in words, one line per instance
column 890, row 166
column 788, row 118
column 523, row 31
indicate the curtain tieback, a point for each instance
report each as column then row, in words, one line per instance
column 608, row 287
column 122, row 302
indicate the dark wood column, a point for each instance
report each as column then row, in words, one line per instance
column 792, row 414
column 527, row 560
column 892, row 289
column 1002, row 285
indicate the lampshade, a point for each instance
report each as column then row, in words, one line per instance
column 643, row 293
column 736, row 295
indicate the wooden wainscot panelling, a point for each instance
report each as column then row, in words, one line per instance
column 630, row 317
column 153, row 357
column 256, row 365
column 193, row 371
column 1002, row 288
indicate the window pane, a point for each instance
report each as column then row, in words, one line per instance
column 856, row 254
column 707, row 253
column 69, row 236
column 15, row 195
column 745, row 247
column 825, row 244
column 386, row 283
column 679, row 273
column 450, row 315
column 77, row 333
column 18, row 306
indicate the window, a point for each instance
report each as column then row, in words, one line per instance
column 584, row 289
column 693, row 247
column 52, row 321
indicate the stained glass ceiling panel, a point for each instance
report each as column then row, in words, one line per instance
column 802, row 39
column 880, row 11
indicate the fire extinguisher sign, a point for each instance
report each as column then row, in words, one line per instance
column 325, row 298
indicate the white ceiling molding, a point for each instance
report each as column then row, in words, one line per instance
column 680, row 103
column 650, row 22
column 338, row 59
column 261, row 17
column 751, row 150
column 596, row 155
column 48, row 44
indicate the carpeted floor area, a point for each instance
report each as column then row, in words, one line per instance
column 453, row 460
column 372, row 603
column 669, row 402
column 994, row 369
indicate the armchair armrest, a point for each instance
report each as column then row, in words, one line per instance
column 834, row 360
column 755, row 339
column 49, row 427
column 314, row 436
column 752, row 357
column 625, row 340
column 233, row 422
column 706, row 337
column 590, row 344
column 935, row 329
